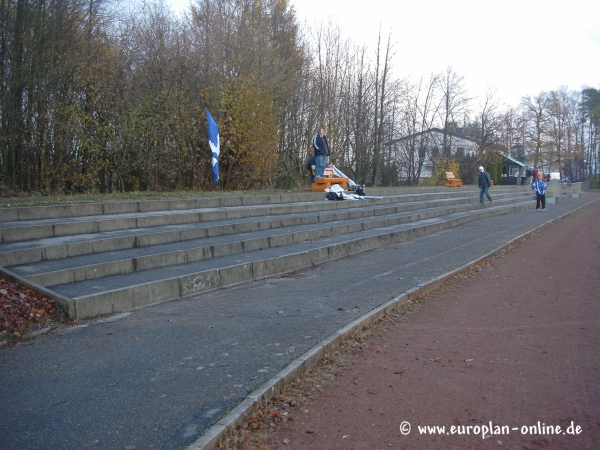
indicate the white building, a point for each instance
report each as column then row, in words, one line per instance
column 416, row 151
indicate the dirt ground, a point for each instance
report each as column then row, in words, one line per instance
column 505, row 354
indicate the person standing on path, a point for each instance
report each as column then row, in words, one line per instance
column 539, row 186
column 484, row 184
column 321, row 149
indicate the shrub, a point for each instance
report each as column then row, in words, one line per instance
column 441, row 165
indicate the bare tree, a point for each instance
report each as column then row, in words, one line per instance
column 488, row 121
column 535, row 113
column 380, row 101
column 454, row 106
column 590, row 126
column 419, row 114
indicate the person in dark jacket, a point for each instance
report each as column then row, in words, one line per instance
column 309, row 166
column 321, row 148
column 484, row 184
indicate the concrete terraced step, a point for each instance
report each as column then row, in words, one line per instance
column 23, row 230
column 144, row 206
column 18, row 231
column 118, row 293
column 33, row 213
column 79, row 214
column 191, row 225
column 132, row 267
column 302, row 228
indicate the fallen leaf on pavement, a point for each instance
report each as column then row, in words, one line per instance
column 21, row 308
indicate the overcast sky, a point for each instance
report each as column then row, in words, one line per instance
column 519, row 47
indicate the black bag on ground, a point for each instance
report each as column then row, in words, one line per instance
column 335, row 195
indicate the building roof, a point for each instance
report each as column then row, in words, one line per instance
column 428, row 131
column 514, row 160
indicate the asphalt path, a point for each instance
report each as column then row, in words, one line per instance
column 161, row 376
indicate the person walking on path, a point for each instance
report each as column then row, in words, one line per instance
column 321, row 149
column 484, row 184
column 539, row 186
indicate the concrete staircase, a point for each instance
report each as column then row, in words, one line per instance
column 104, row 258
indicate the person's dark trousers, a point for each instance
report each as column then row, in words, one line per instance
column 484, row 190
column 540, row 199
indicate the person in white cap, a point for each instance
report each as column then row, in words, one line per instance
column 484, row 184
